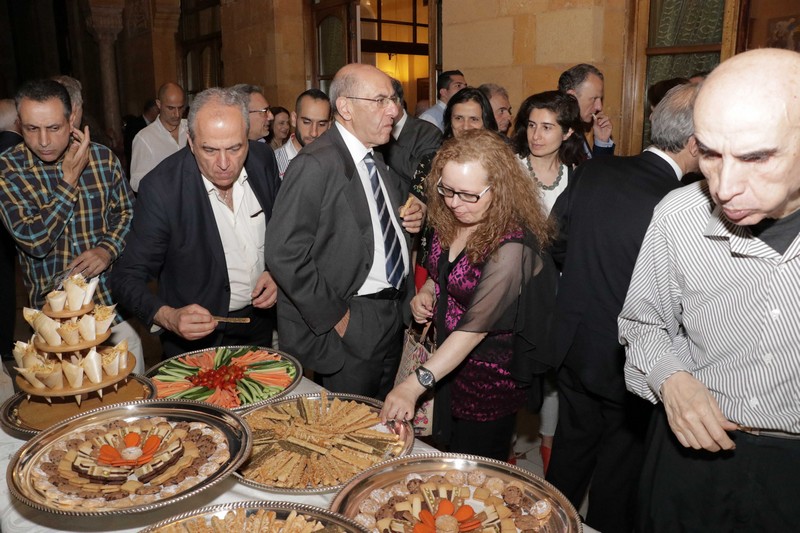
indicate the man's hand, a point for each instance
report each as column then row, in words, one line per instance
column 266, row 292
column 602, row 127
column 77, row 156
column 91, row 262
column 341, row 326
column 191, row 322
column 694, row 414
column 413, row 216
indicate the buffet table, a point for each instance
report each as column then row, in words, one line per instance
column 16, row 517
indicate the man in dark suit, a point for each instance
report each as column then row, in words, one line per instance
column 338, row 246
column 9, row 136
column 199, row 227
column 411, row 139
column 585, row 82
column 603, row 215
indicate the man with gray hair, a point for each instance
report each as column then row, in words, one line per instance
column 258, row 109
column 586, row 83
column 498, row 97
column 339, row 243
column 601, row 426
column 199, row 228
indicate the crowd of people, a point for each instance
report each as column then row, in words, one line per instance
column 645, row 304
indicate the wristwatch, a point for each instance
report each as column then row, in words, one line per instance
column 425, row 377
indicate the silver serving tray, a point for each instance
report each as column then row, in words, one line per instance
column 404, row 429
column 20, row 482
column 153, row 371
column 564, row 517
column 334, row 523
column 11, row 422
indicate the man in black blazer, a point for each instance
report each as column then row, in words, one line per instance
column 411, row 139
column 603, row 215
column 339, row 260
column 199, row 227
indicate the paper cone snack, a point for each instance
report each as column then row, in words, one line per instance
column 73, row 373
column 104, row 316
column 54, row 379
column 90, row 288
column 75, row 294
column 86, row 327
column 111, row 363
column 30, row 375
column 30, row 315
column 122, row 349
column 69, row 332
column 47, row 328
column 93, row 366
column 21, row 350
column 57, row 300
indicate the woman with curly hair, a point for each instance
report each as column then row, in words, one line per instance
column 489, row 231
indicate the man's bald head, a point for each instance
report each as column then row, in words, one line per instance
column 749, row 135
column 171, row 102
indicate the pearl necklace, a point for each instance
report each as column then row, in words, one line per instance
column 539, row 183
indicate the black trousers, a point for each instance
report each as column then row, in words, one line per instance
column 755, row 487
column 490, row 439
column 601, row 441
column 257, row 333
column 374, row 348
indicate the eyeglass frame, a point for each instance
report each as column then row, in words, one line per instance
column 442, row 188
column 393, row 99
column 263, row 111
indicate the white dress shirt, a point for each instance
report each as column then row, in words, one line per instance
column 376, row 279
column 151, row 146
column 242, row 232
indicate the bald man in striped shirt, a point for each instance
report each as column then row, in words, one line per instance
column 712, row 316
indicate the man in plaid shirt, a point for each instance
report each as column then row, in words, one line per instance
column 64, row 199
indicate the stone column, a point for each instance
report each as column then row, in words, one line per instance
column 105, row 23
column 166, row 16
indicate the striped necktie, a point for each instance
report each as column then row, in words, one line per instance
column 391, row 243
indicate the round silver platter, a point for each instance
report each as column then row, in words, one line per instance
column 153, row 371
column 9, row 411
column 404, row 430
column 563, row 518
column 19, row 475
column 332, row 522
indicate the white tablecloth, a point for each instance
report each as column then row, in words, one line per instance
column 16, row 517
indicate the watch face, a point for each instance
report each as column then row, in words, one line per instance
column 425, row 377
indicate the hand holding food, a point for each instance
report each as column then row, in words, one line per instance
column 92, row 262
column 191, row 322
column 413, row 213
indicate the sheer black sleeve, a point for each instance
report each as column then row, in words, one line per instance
column 495, row 301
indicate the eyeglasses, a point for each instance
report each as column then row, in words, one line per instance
column 262, row 112
column 468, row 197
column 383, row 102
